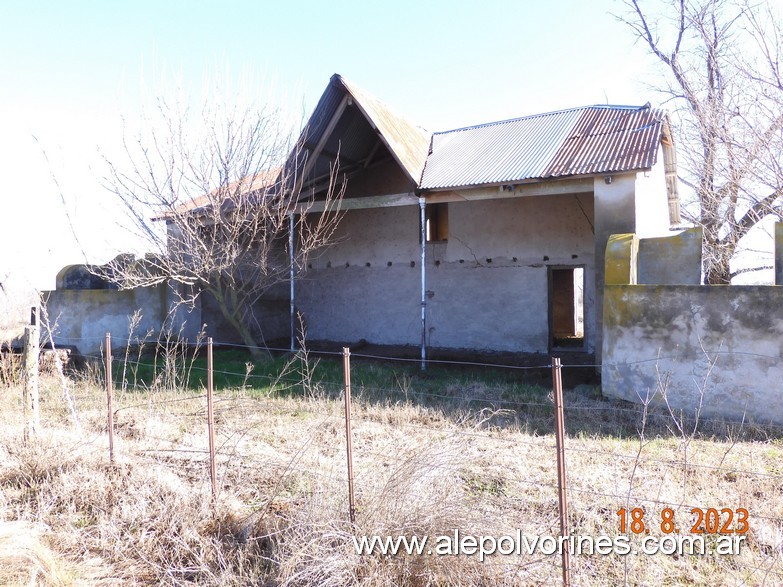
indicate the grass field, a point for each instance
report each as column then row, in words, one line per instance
column 450, row 449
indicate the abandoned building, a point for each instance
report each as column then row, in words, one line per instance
column 489, row 238
column 541, row 234
column 516, row 217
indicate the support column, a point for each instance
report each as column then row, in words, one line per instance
column 423, row 221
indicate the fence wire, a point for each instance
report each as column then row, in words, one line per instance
column 491, row 442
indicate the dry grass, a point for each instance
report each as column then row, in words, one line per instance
column 281, row 513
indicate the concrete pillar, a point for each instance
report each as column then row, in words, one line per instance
column 615, row 213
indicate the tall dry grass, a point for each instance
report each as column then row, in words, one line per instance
column 280, row 518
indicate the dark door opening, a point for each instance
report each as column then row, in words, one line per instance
column 567, row 307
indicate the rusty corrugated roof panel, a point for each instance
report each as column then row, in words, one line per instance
column 580, row 141
column 497, row 152
column 609, row 139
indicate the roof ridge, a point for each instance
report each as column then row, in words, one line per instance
column 540, row 114
column 407, row 141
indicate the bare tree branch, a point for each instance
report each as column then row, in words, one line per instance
column 215, row 208
column 723, row 62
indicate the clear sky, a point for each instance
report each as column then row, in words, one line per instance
column 73, row 70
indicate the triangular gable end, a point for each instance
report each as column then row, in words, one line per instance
column 351, row 126
column 408, row 143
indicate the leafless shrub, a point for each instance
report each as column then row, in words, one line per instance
column 11, row 372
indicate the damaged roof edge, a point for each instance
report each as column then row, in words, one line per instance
column 408, row 143
column 539, row 114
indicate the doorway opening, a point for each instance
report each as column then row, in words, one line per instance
column 567, row 307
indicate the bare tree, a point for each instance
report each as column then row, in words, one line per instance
column 228, row 197
column 722, row 69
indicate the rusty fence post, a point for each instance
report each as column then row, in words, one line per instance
column 348, row 437
column 211, row 419
column 109, row 393
column 557, row 387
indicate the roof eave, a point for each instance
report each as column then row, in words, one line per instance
column 535, row 180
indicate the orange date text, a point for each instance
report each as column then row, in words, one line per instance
column 702, row 521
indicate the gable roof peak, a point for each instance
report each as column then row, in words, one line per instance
column 408, row 143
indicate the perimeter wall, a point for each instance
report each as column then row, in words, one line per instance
column 715, row 350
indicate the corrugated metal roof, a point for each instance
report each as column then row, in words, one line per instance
column 609, row 139
column 580, row 141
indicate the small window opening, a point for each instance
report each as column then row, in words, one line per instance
column 437, row 222
column 567, row 307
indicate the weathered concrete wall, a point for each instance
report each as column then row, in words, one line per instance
column 82, row 317
column 710, row 348
column 630, row 203
column 269, row 320
column 344, row 299
column 671, row 260
column 739, row 328
column 490, row 282
column 487, row 285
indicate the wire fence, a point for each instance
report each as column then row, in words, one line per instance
column 624, row 470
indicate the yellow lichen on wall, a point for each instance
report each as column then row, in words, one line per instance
column 620, row 261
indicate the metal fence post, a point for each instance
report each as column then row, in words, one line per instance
column 211, row 420
column 109, row 393
column 348, row 437
column 557, row 386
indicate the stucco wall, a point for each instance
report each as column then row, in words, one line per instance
column 82, row 317
column 487, row 284
column 739, row 328
column 715, row 349
column 671, row 260
column 615, row 206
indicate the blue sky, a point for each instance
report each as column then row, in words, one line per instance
column 72, row 70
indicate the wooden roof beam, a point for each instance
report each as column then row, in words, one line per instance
column 313, row 157
column 374, row 150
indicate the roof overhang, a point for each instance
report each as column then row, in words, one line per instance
column 348, row 129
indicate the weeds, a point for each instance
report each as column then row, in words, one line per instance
column 11, row 368
column 432, row 454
